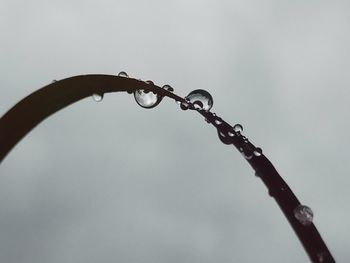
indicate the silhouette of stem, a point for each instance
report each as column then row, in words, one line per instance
column 33, row 109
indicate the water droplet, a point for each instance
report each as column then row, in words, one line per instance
column 304, row 214
column 184, row 105
column 123, row 74
column 224, row 138
column 149, row 82
column 146, row 99
column 218, row 121
column 257, row 151
column 54, row 80
column 247, row 155
column 97, row 97
column 201, row 96
column 231, row 134
column 168, row 88
column 238, row 128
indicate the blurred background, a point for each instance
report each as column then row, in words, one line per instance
column 113, row 182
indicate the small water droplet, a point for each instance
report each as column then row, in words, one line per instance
column 54, row 80
column 201, row 96
column 257, row 151
column 123, row 74
column 146, row 99
column 149, row 82
column 184, row 105
column 304, row 214
column 218, row 121
column 231, row 134
column 247, row 155
column 97, row 97
column 238, row 128
column 168, row 88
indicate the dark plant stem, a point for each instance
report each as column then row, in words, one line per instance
column 33, row 109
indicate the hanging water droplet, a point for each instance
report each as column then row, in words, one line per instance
column 257, row 151
column 146, row 99
column 201, row 96
column 168, row 88
column 238, row 128
column 123, row 74
column 224, row 138
column 247, row 155
column 97, row 97
column 304, row 214
column 184, row 105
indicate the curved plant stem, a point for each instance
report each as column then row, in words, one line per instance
column 33, row 109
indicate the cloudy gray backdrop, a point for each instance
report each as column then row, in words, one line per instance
column 112, row 182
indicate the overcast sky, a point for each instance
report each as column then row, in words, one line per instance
column 112, row 182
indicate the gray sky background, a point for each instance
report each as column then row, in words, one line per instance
column 94, row 182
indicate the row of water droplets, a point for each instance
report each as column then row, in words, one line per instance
column 201, row 100
column 146, row 99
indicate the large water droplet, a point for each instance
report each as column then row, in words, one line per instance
column 304, row 214
column 97, row 97
column 123, row 74
column 238, row 128
column 146, row 99
column 168, row 88
column 201, row 98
